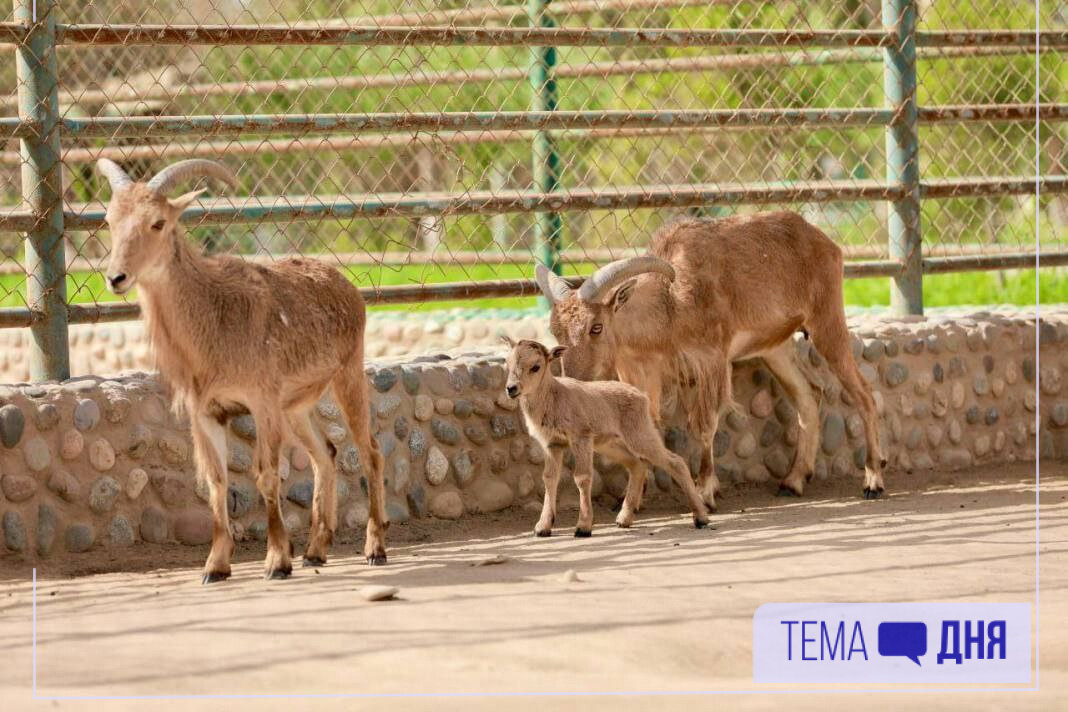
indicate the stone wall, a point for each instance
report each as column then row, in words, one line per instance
column 95, row 463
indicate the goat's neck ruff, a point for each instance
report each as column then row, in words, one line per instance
column 536, row 404
column 178, row 286
column 169, row 300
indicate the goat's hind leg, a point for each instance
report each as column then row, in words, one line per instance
column 648, row 447
column 350, row 389
column 782, row 362
column 209, row 445
column 831, row 337
column 874, row 461
column 632, row 497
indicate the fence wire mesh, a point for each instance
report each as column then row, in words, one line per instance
column 387, row 205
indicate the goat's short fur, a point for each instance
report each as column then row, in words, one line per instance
column 232, row 337
column 606, row 417
column 708, row 293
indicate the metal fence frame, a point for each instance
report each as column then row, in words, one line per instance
column 39, row 128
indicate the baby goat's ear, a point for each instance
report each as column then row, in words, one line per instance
column 184, row 201
column 506, row 339
column 557, row 352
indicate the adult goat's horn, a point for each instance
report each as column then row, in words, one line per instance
column 174, row 174
column 554, row 288
column 111, row 170
column 619, row 271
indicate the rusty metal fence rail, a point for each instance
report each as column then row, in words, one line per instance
column 436, row 153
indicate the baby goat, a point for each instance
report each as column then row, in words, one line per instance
column 233, row 337
column 608, row 417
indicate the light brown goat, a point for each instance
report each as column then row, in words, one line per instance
column 710, row 292
column 231, row 338
column 607, row 417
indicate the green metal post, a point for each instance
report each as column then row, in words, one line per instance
column 546, row 162
column 42, row 190
column 902, row 156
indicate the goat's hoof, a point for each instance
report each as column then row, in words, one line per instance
column 279, row 574
column 376, row 560
column 870, row 493
column 310, row 561
column 700, row 523
column 543, row 532
column 583, row 533
column 215, row 577
column 623, row 525
column 785, row 491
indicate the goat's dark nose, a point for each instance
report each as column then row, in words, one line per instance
column 513, row 391
column 117, row 280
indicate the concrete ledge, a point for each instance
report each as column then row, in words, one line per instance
column 98, row 462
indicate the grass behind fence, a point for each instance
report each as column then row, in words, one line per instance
column 1005, row 287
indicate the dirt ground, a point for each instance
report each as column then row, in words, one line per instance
column 661, row 611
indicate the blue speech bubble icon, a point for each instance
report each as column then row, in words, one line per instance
column 907, row 640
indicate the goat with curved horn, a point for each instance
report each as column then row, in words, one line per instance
column 228, row 336
column 555, row 288
column 746, row 284
column 175, row 173
column 116, row 176
column 620, row 271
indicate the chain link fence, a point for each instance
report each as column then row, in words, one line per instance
column 456, row 142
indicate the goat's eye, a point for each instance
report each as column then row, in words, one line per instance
column 596, row 329
column 535, row 368
column 158, row 225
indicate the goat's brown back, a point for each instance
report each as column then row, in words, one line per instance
column 592, row 408
column 294, row 319
column 747, row 266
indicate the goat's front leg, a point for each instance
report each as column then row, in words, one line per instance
column 718, row 395
column 209, row 446
column 324, row 498
column 266, row 461
column 583, row 450
column 550, row 475
column 707, row 479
